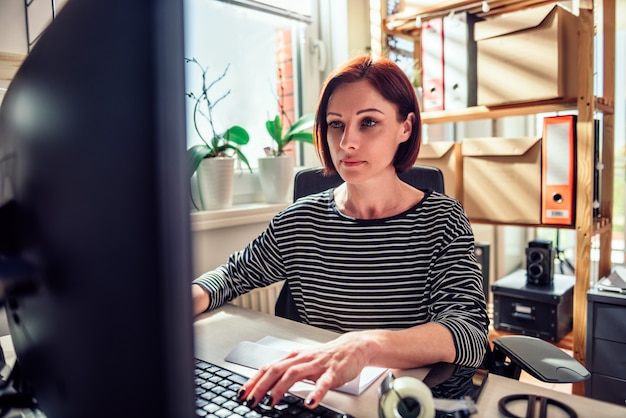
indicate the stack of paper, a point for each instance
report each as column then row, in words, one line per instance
column 614, row 282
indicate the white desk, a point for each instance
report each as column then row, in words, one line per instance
column 217, row 332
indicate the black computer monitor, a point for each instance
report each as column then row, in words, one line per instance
column 95, row 259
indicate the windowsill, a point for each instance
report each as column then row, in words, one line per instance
column 248, row 206
column 237, row 215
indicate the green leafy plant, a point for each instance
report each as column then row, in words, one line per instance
column 225, row 144
column 299, row 131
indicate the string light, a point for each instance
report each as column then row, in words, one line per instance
column 485, row 7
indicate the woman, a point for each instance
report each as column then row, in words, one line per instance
column 390, row 267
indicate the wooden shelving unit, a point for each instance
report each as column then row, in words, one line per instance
column 587, row 106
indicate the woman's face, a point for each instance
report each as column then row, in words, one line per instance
column 363, row 131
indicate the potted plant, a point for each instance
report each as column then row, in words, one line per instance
column 299, row 131
column 276, row 169
column 212, row 161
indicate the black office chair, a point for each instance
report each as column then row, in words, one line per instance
column 511, row 354
column 311, row 180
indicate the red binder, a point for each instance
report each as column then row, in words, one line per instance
column 558, row 178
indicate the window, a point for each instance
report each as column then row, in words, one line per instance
column 259, row 47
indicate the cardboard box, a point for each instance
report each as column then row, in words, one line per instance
column 502, row 179
column 446, row 156
column 539, row 311
column 527, row 55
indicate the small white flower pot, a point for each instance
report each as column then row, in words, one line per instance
column 276, row 177
column 215, row 183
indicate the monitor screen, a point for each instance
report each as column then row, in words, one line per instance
column 95, row 259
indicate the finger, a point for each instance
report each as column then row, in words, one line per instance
column 245, row 389
column 259, row 385
column 253, row 387
column 322, row 386
column 290, row 376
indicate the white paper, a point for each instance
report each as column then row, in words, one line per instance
column 614, row 282
column 269, row 349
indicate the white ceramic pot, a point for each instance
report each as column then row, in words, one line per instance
column 276, row 177
column 215, row 183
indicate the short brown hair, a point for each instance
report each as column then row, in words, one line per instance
column 391, row 82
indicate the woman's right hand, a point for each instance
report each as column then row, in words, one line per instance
column 329, row 365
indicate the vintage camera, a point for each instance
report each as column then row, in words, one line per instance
column 540, row 256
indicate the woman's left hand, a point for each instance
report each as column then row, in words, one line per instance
column 330, row 365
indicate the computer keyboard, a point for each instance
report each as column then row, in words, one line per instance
column 216, row 396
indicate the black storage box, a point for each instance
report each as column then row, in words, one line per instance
column 539, row 311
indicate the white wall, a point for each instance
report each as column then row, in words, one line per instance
column 217, row 234
column 13, row 33
column 212, row 247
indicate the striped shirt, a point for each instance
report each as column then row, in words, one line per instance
column 350, row 274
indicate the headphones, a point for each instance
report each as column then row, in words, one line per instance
column 532, row 401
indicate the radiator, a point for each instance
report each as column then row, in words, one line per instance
column 262, row 300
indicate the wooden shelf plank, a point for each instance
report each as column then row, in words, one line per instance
column 519, row 109
column 9, row 64
column 602, row 226
column 495, row 112
column 405, row 19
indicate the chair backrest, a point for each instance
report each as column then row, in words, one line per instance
column 311, row 180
